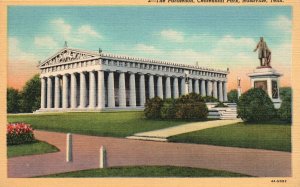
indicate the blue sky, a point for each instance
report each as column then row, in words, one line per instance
column 214, row 36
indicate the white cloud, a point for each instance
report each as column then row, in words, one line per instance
column 87, row 29
column 282, row 24
column 45, row 41
column 142, row 48
column 172, row 35
column 62, row 27
column 16, row 53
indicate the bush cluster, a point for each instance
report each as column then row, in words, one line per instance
column 19, row 133
column 255, row 105
column 191, row 106
column 285, row 110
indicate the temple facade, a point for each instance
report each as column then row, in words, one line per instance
column 78, row 80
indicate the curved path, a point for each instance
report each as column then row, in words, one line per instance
column 125, row 152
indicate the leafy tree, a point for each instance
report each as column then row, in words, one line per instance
column 233, row 96
column 13, row 100
column 31, row 95
column 255, row 105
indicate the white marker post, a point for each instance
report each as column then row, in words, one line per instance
column 69, row 151
column 102, row 157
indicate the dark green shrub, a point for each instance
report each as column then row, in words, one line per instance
column 168, row 109
column 208, row 99
column 233, row 96
column 191, row 106
column 19, row 133
column 152, row 108
column 285, row 110
column 220, row 104
column 255, row 105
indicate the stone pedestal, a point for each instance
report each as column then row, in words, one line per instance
column 267, row 78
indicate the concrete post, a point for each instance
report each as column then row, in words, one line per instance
column 102, row 163
column 69, row 151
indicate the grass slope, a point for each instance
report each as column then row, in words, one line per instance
column 258, row 136
column 38, row 147
column 115, row 124
column 148, row 171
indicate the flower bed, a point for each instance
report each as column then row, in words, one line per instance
column 19, row 133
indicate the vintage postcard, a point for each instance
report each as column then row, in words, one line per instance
column 150, row 93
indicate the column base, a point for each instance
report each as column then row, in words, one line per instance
column 60, row 110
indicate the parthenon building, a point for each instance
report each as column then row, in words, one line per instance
column 77, row 80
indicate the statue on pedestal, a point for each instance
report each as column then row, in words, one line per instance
column 264, row 53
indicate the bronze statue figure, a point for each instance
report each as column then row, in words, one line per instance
column 264, row 53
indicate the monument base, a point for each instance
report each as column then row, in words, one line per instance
column 267, row 78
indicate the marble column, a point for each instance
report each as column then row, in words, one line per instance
column 56, row 92
column 73, row 91
column 196, row 86
column 92, row 95
column 43, row 93
column 215, row 90
column 111, row 90
column 183, row 86
column 209, row 88
column 142, row 90
column 101, row 90
column 151, row 86
column 122, row 90
column 191, row 86
column 203, row 88
column 175, row 87
column 220, row 91
column 65, row 91
column 49, row 92
column 225, row 91
column 168, row 87
column 82, row 90
column 132, row 92
column 160, row 87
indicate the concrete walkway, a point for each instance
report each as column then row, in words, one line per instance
column 163, row 134
column 126, row 152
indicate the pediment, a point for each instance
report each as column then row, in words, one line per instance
column 68, row 55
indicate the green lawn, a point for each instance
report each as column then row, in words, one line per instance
column 115, row 124
column 258, row 136
column 148, row 171
column 38, row 147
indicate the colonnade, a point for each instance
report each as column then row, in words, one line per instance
column 111, row 89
